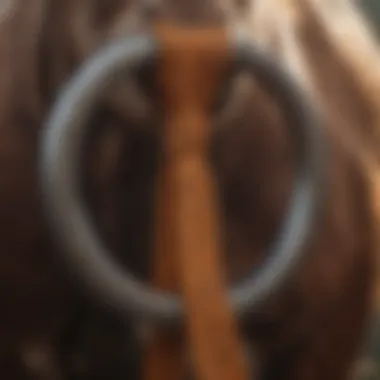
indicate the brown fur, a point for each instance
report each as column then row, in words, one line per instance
column 313, row 329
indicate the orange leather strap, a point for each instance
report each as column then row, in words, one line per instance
column 188, row 251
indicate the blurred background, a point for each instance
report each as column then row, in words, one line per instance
column 369, row 365
column 372, row 10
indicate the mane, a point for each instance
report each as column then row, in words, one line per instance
column 332, row 51
column 305, row 35
column 327, row 45
column 309, row 35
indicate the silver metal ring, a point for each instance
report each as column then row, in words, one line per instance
column 84, row 253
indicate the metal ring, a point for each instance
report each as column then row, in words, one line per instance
column 61, row 144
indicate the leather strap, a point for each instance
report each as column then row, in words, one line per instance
column 188, row 249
